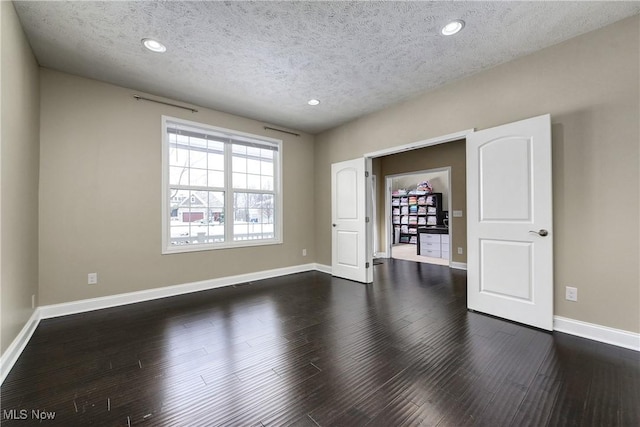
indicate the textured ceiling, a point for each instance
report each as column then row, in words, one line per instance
column 264, row 60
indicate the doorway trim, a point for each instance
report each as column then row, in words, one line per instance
column 414, row 146
column 420, row 144
column 388, row 226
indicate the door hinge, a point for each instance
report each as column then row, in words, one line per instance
column 366, row 265
column 366, row 174
column 366, row 219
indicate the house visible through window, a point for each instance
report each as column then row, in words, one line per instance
column 221, row 188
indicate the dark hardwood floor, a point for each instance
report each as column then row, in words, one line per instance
column 307, row 350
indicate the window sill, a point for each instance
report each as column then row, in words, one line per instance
column 200, row 248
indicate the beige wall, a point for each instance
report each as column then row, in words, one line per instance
column 100, row 197
column 589, row 85
column 19, row 153
column 438, row 156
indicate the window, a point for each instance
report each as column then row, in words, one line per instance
column 221, row 188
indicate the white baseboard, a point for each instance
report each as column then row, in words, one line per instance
column 81, row 306
column 323, row 268
column 458, row 265
column 381, row 255
column 604, row 334
column 11, row 354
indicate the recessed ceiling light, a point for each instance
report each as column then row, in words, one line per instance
column 313, row 102
column 452, row 27
column 154, row 45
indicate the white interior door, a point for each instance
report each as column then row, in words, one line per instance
column 509, row 222
column 350, row 258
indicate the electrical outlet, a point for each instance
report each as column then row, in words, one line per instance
column 304, row 252
column 92, row 279
column 571, row 294
column 459, row 250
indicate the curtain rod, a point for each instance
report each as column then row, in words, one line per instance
column 193, row 110
column 281, row 130
column 142, row 98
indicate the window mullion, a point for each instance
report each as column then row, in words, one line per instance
column 246, row 190
column 195, row 188
column 228, row 195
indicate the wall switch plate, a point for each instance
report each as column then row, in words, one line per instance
column 33, row 301
column 457, row 214
column 459, row 250
column 92, row 279
column 304, row 252
column 571, row 294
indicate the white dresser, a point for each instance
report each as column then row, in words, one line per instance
column 434, row 245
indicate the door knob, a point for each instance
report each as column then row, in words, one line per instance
column 542, row 232
column 335, row 225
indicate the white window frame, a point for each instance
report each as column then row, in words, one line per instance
column 167, row 247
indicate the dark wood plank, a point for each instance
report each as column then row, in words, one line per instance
column 309, row 349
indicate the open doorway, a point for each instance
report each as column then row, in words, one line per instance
column 418, row 208
column 445, row 154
